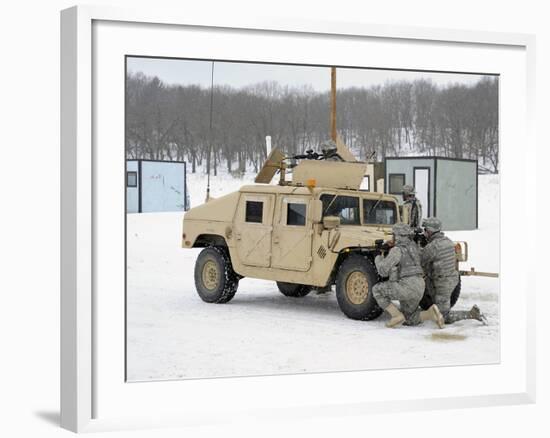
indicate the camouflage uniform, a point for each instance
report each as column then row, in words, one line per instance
column 411, row 211
column 405, row 284
column 439, row 264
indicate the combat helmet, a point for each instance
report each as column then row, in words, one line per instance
column 432, row 224
column 408, row 190
column 401, row 230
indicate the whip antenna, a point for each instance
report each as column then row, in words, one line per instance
column 333, row 133
column 210, row 134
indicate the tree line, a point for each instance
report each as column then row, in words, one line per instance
column 227, row 127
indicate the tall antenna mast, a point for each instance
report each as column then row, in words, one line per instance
column 342, row 149
column 208, row 164
column 333, row 104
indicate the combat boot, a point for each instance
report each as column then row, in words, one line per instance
column 475, row 313
column 460, row 315
column 397, row 317
column 433, row 314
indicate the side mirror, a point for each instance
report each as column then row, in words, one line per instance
column 316, row 208
column 331, row 222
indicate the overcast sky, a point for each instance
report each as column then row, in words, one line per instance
column 240, row 74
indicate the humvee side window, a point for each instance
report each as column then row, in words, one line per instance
column 254, row 211
column 296, row 214
column 346, row 207
column 379, row 212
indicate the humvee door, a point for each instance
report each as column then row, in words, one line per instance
column 253, row 227
column 292, row 234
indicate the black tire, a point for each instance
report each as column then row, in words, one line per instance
column 426, row 301
column 355, row 305
column 293, row 290
column 215, row 280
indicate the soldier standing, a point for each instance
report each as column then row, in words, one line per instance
column 411, row 212
column 405, row 284
column 441, row 274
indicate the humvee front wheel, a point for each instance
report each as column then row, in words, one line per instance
column 293, row 289
column 215, row 280
column 354, row 281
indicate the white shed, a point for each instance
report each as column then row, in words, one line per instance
column 154, row 186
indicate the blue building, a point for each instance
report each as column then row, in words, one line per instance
column 154, row 186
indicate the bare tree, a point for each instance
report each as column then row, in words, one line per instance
column 173, row 122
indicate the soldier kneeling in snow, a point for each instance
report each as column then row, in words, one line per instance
column 405, row 284
column 439, row 264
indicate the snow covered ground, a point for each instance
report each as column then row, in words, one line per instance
column 172, row 334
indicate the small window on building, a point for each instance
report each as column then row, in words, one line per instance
column 379, row 212
column 295, row 214
column 254, row 211
column 397, row 181
column 345, row 207
column 131, row 179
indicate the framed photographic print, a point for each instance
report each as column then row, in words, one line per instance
column 263, row 217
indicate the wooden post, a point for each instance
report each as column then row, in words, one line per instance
column 333, row 103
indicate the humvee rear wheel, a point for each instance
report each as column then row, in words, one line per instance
column 215, row 280
column 293, row 289
column 427, row 301
column 354, row 281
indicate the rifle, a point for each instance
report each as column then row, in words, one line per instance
column 420, row 238
column 383, row 246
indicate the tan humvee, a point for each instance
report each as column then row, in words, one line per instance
column 309, row 233
column 312, row 232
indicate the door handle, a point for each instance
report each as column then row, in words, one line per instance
column 238, row 236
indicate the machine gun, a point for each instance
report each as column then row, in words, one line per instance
column 326, row 154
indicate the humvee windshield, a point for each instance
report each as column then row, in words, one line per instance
column 345, row 207
column 379, row 212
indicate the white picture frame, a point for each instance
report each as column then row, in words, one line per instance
column 93, row 395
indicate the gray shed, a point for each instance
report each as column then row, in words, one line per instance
column 154, row 186
column 446, row 187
